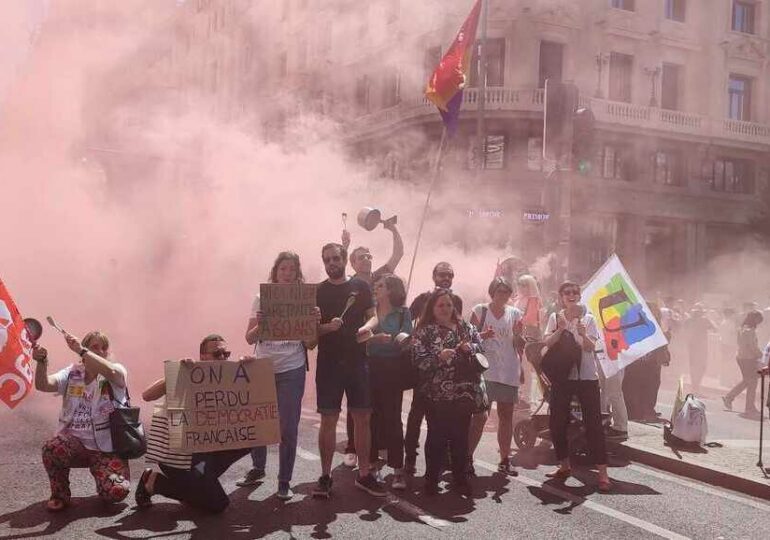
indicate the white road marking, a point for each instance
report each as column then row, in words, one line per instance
column 304, row 454
column 622, row 516
column 700, row 487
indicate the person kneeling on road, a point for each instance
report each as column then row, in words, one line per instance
column 191, row 478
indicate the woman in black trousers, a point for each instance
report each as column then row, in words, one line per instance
column 582, row 382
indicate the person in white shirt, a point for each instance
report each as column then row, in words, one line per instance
column 498, row 323
column 582, row 382
column 89, row 389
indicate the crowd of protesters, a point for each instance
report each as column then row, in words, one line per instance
column 372, row 349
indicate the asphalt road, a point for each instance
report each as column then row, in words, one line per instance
column 646, row 503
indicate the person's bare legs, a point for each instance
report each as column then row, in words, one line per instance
column 504, row 428
column 362, row 435
column 327, row 439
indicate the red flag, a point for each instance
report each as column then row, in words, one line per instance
column 449, row 78
column 15, row 352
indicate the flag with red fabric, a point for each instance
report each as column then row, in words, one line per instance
column 15, row 352
column 445, row 87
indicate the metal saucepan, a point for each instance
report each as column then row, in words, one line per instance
column 34, row 328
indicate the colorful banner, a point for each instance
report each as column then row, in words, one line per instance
column 16, row 373
column 445, row 87
column 628, row 330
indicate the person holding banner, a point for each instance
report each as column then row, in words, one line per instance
column 290, row 366
column 582, row 381
column 342, row 369
column 89, row 389
column 197, row 482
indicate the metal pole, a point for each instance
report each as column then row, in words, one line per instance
column 761, row 423
column 482, row 89
column 436, row 174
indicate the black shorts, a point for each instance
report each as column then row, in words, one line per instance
column 334, row 378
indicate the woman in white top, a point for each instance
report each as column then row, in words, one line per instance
column 497, row 323
column 582, row 382
column 290, row 366
column 89, row 390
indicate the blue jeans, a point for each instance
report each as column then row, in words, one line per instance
column 290, row 387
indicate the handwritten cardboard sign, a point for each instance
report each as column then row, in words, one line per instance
column 287, row 311
column 221, row 405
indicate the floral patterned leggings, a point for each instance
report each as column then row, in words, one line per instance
column 65, row 452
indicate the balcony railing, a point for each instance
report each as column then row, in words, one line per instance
column 605, row 111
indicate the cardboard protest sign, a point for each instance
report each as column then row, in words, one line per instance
column 287, row 310
column 221, row 405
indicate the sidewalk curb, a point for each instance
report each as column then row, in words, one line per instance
column 713, row 475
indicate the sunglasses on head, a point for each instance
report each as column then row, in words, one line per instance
column 335, row 258
column 221, row 355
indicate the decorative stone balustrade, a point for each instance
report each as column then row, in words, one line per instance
column 605, row 112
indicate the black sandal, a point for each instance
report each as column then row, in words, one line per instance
column 142, row 496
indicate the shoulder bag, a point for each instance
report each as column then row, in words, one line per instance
column 126, row 429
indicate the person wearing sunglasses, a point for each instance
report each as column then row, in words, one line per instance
column 342, row 367
column 192, row 478
column 443, row 277
column 582, row 382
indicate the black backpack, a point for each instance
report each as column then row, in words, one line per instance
column 560, row 358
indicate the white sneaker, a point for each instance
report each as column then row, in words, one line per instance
column 350, row 460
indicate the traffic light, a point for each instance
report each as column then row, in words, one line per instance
column 560, row 103
column 583, row 139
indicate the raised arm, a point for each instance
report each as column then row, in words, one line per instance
column 398, row 246
column 95, row 363
column 43, row 381
column 155, row 391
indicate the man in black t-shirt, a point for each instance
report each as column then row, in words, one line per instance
column 443, row 274
column 342, row 368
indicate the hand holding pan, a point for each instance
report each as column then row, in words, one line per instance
column 34, row 329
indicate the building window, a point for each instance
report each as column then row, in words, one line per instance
column 743, row 16
column 432, row 59
column 391, row 89
column 494, row 155
column 739, row 98
column 362, row 94
column 615, row 162
column 627, row 5
column 669, row 87
column 668, row 168
column 674, row 10
column 733, row 176
column 495, row 63
column 551, row 58
column 620, row 76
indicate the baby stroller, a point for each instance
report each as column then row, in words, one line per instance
column 527, row 432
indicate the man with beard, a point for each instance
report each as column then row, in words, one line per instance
column 443, row 276
column 345, row 303
column 361, row 261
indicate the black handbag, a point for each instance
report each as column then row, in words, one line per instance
column 126, row 429
column 560, row 358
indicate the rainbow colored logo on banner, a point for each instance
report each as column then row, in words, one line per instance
column 622, row 316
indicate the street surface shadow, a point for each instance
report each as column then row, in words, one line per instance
column 35, row 515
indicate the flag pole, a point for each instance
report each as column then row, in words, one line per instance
column 436, row 173
column 482, row 89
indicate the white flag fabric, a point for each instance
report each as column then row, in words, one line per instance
column 627, row 328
